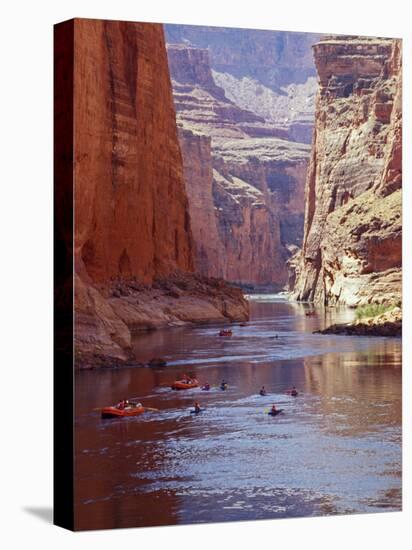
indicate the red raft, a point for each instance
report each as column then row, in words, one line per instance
column 185, row 384
column 113, row 412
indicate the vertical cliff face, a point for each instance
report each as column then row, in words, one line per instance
column 129, row 187
column 198, row 171
column 352, row 242
column 244, row 183
column 133, row 242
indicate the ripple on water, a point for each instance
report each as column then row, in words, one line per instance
column 335, row 449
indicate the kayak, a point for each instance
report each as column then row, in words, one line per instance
column 113, row 412
column 271, row 413
column 180, row 385
column 197, row 412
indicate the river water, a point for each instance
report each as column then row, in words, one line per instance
column 335, row 449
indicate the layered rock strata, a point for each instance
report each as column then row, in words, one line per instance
column 353, row 228
column 270, row 73
column 132, row 222
column 244, row 182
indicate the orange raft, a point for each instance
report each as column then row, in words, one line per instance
column 113, row 412
column 182, row 385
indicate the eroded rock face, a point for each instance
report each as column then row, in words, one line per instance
column 268, row 73
column 353, row 228
column 198, row 171
column 131, row 205
column 244, row 183
column 132, row 223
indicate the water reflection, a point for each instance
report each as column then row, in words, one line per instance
column 336, row 448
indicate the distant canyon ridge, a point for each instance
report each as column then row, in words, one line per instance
column 245, row 109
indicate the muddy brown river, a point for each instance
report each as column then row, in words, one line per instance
column 335, row 449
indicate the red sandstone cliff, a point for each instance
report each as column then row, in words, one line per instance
column 132, row 223
column 209, row 255
column 244, row 183
column 352, row 245
column 131, row 205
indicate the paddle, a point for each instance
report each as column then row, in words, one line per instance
column 150, row 409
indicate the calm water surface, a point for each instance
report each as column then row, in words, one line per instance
column 335, row 449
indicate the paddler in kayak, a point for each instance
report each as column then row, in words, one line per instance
column 206, row 387
column 273, row 409
column 223, row 385
column 197, row 408
column 262, row 391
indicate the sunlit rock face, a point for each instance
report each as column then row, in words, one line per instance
column 132, row 220
column 353, row 228
column 268, row 73
column 244, row 179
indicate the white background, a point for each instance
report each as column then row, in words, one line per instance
column 26, row 271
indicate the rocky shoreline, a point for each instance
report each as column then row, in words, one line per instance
column 387, row 324
column 107, row 316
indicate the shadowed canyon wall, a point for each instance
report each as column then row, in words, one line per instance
column 244, row 177
column 133, row 241
column 131, row 205
column 351, row 251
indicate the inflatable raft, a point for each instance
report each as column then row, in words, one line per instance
column 113, row 412
column 182, row 385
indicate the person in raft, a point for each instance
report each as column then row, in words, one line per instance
column 262, row 390
column 121, row 404
column 223, row 385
